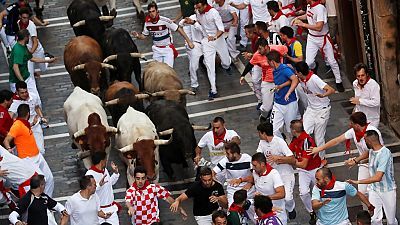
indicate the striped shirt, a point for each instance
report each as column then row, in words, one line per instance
column 382, row 160
column 160, row 31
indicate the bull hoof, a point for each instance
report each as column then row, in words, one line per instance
column 73, row 146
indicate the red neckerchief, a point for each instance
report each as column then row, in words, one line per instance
column 16, row 97
column 267, row 171
column 359, row 136
column 265, row 216
column 291, row 41
column 218, row 138
column 315, row 4
column 362, row 86
column 94, row 168
column 25, row 122
column 297, row 143
column 329, row 186
column 308, row 77
column 278, row 14
column 22, row 25
column 236, row 208
column 149, row 19
column 208, row 7
column 147, row 183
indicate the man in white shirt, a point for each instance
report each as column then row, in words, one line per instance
column 104, row 183
column 367, row 98
column 258, row 9
column 159, row 28
column 278, row 19
column 316, row 116
column 319, row 38
column 244, row 18
column 83, row 207
column 281, row 158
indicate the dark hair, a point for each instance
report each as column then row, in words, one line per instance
column 36, row 181
column 139, row 169
column 326, row 172
column 84, row 182
column 218, row 119
column 263, row 203
column 372, row 134
column 97, row 157
column 364, row 217
column 25, row 10
column 359, row 118
column 23, row 110
column 273, row 5
column 21, row 85
column 218, row 214
column 205, row 171
column 239, row 196
column 249, row 26
column 266, row 128
column 233, row 147
column 21, row 34
column 259, row 157
column 274, row 56
column 262, row 26
column 297, row 125
column 202, row 2
column 288, row 31
column 360, row 66
column 302, row 67
column 262, row 42
column 152, row 5
column 5, row 95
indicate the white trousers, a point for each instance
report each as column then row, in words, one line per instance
column 44, row 167
column 288, row 182
column 345, row 222
column 3, row 36
column 267, row 97
column 283, row 115
column 363, row 173
column 312, row 48
column 31, row 84
column 210, row 48
column 231, row 41
column 306, row 178
column 385, row 201
column 38, row 134
column 203, row 220
column 11, row 41
column 256, row 81
column 41, row 66
column 301, row 99
column 194, row 57
column 315, row 121
column 113, row 219
column 165, row 55
column 243, row 21
column 374, row 121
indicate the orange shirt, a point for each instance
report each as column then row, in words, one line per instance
column 261, row 61
column 24, row 140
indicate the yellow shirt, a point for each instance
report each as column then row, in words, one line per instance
column 24, row 140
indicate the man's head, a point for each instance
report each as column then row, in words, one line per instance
column 286, row 33
column 23, row 111
column 262, row 205
column 23, row 35
column 38, row 183
column 296, row 127
column 99, row 158
column 265, row 130
column 259, row 163
column 358, row 120
column 263, row 47
column 22, row 90
column 218, row 125
column 249, row 30
column 219, row 218
column 323, row 176
column 273, row 7
column 274, row 59
column 363, row 218
column 372, row 138
column 88, row 183
column 302, row 70
column 361, row 73
column 201, row 5
column 24, row 15
column 262, row 29
column 6, row 98
column 240, row 197
column 152, row 8
column 206, row 177
column 232, row 151
column 140, row 176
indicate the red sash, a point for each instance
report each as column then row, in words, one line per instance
column 329, row 186
column 21, row 189
column 219, row 138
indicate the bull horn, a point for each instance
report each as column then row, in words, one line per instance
column 126, row 148
column 186, row 92
column 109, row 58
column 166, row 132
column 106, row 18
column 112, row 102
column 163, row 142
column 79, row 23
column 79, row 133
column 158, row 94
column 142, row 96
column 108, row 66
column 79, row 67
column 112, row 129
column 195, row 127
column 136, row 55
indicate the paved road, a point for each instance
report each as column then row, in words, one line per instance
column 236, row 104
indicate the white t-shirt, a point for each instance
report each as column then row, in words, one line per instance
column 362, row 146
column 266, row 185
column 210, row 21
column 285, row 6
column 316, row 14
column 278, row 23
column 83, row 211
column 216, row 152
column 160, row 31
column 259, row 10
column 331, row 8
column 32, row 101
column 33, row 33
column 225, row 11
column 313, row 86
column 194, row 32
column 104, row 192
column 370, row 99
column 277, row 147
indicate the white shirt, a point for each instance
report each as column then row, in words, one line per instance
column 210, row 21
column 160, row 31
column 216, row 152
column 33, row 33
column 370, row 99
column 104, row 192
column 225, row 11
column 83, row 211
column 32, row 101
column 266, row 185
column 195, row 33
column 362, row 146
column 286, row 3
column 259, row 10
column 331, row 8
column 316, row 14
column 278, row 22
column 313, row 86
column 278, row 147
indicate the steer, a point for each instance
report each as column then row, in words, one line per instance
column 87, row 124
column 83, row 61
column 138, row 141
column 163, row 82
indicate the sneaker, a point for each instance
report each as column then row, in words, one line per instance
column 229, row 71
column 292, row 215
column 313, row 219
column 194, row 89
column 259, row 105
column 340, row 87
column 211, row 95
column 46, row 54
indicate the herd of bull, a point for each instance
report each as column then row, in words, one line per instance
column 150, row 123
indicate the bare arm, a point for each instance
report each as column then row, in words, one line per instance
column 40, row 60
column 2, row 15
column 364, row 199
column 17, row 72
column 317, row 27
column 64, row 220
column 239, row 6
column 329, row 144
column 285, row 160
column 223, row 201
column 7, row 142
column 279, row 193
column 35, row 44
column 183, row 34
column 235, row 19
column 302, row 164
column 376, row 178
column 317, row 204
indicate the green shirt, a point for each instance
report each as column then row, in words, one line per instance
column 187, row 7
column 19, row 55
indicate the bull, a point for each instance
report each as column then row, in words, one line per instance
column 87, row 124
column 83, row 60
column 138, row 141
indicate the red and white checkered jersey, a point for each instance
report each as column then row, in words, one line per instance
column 145, row 202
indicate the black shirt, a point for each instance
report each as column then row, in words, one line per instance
column 37, row 208
column 201, row 203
